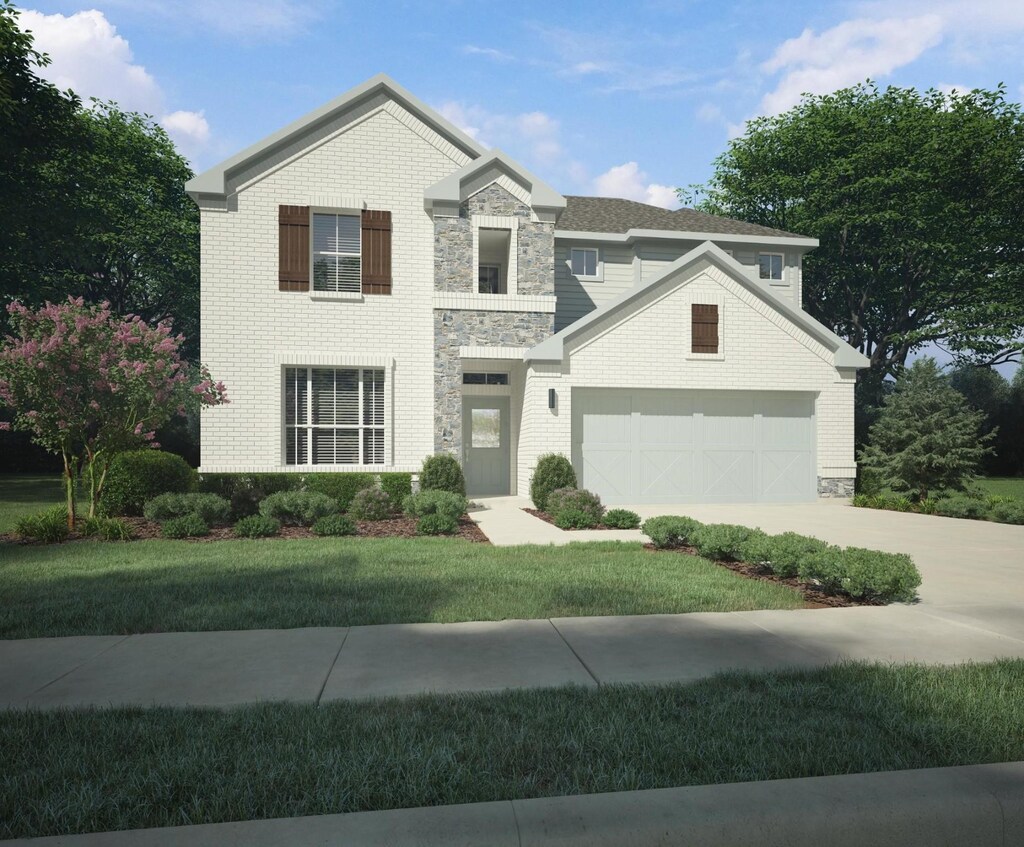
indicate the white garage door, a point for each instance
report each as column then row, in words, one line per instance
column 654, row 446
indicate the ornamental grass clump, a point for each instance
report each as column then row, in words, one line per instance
column 370, row 504
column 49, row 527
column 669, row 531
column 553, row 472
column 298, row 508
column 108, row 529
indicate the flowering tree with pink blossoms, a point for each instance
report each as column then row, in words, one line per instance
column 88, row 384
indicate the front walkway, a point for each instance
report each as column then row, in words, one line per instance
column 221, row 669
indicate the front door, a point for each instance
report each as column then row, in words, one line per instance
column 485, row 445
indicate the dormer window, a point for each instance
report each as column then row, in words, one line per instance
column 585, row 263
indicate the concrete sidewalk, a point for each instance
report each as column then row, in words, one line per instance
column 972, row 806
column 221, row 669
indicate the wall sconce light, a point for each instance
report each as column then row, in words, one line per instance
column 551, row 398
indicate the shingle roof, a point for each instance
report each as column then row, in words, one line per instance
column 609, row 214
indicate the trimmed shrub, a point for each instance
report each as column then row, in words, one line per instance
column 434, row 502
column 575, row 500
column 334, row 525
column 668, row 531
column 49, row 527
column 370, row 504
column 257, row 526
column 621, row 519
column 137, row 476
column 574, row 519
column 343, row 487
column 1007, row 511
column 212, row 508
column 298, row 508
column 436, row 524
column 862, row 573
column 187, row 526
column 722, row 540
column 247, row 491
column 108, row 529
column 397, row 486
column 442, row 472
column 872, row 573
column 553, row 471
column 961, row 506
column 781, row 553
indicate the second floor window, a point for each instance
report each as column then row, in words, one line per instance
column 337, row 265
column 583, row 261
column 489, row 279
column 769, row 265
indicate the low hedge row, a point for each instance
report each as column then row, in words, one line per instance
column 869, row 574
column 968, row 505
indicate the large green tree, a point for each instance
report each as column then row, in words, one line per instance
column 916, row 199
column 92, row 199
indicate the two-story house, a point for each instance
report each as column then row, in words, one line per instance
column 377, row 287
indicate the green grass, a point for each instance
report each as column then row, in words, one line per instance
column 22, row 495
column 95, row 588
column 99, row 770
column 1005, row 486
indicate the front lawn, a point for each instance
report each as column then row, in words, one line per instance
column 96, row 770
column 22, row 495
column 98, row 588
column 1003, row 486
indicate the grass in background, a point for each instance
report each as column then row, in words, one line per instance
column 1005, row 486
column 22, row 495
column 98, row 770
column 97, row 588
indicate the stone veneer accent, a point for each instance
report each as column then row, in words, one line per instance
column 453, row 245
column 835, row 486
column 454, row 328
column 454, row 272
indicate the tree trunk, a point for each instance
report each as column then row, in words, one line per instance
column 69, row 489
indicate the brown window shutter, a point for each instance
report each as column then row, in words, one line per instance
column 705, row 328
column 376, row 252
column 293, row 248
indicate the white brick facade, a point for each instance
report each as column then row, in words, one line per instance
column 377, row 154
column 648, row 346
column 382, row 160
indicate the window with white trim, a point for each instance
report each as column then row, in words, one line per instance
column 769, row 266
column 334, row 416
column 337, row 262
column 584, row 262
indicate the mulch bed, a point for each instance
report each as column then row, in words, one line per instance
column 544, row 516
column 815, row 597
column 399, row 527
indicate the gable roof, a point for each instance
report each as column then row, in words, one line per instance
column 553, row 349
column 449, row 189
column 610, row 214
column 214, row 180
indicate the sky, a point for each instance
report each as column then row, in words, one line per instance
column 616, row 99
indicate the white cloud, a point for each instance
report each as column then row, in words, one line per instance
column 536, row 134
column 849, row 52
column 88, row 56
column 630, row 183
column 489, row 52
column 263, row 20
column 709, row 113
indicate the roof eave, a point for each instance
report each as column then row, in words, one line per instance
column 213, row 182
column 633, row 235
